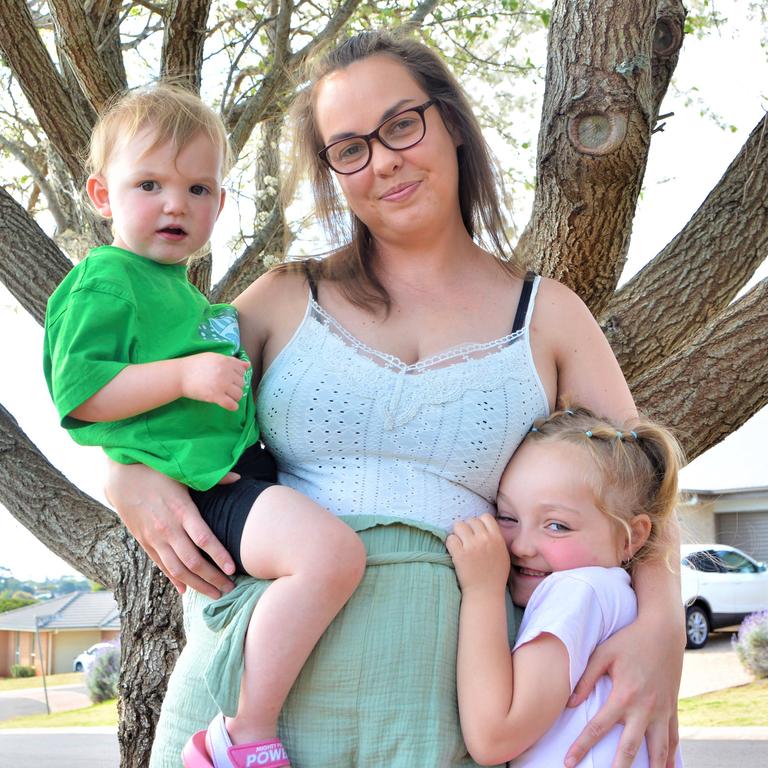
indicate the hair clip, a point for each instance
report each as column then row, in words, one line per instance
column 619, row 434
column 569, row 412
column 588, row 433
column 634, row 434
column 534, row 429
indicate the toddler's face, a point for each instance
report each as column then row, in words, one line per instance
column 163, row 203
column 548, row 515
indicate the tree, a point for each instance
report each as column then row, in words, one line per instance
column 687, row 349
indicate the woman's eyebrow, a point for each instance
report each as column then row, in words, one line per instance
column 393, row 110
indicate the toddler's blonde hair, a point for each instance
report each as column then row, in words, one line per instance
column 637, row 468
column 175, row 114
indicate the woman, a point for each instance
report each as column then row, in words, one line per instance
column 399, row 375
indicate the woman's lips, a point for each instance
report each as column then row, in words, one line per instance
column 400, row 192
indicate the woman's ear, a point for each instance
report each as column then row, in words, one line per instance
column 97, row 190
column 640, row 525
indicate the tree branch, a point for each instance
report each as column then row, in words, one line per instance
column 24, row 156
column 420, row 12
column 697, row 275
column 51, row 507
column 184, row 40
column 339, row 18
column 709, row 389
column 78, row 42
column 31, row 265
column 66, row 127
column 250, row 263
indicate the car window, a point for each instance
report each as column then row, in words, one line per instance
column 705, row 561
column 734, row 562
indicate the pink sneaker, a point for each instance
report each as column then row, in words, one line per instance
column 214, row 749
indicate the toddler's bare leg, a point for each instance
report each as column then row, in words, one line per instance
column 317, row 562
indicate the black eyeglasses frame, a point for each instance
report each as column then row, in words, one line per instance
column 374, row 134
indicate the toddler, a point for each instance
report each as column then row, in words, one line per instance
column 139, row 362
column 579, row 502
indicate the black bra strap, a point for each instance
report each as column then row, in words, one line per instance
column 522, row 305
column 311, row 280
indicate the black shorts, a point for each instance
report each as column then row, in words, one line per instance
column 225, row 508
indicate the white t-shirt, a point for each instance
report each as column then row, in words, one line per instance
column 582, row 607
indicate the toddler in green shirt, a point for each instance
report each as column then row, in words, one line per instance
column 139, row 362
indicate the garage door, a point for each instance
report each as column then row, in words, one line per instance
column 746, row 530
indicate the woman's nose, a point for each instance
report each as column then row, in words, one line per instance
column 383, row 159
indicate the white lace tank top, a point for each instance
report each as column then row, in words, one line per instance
column 362, row 432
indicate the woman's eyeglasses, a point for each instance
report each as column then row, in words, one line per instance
column 401, row 131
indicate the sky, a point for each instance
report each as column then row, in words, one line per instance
column 730, row 71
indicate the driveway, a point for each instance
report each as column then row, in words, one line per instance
column 64, row 748
column 31, row 701
column 713, row 667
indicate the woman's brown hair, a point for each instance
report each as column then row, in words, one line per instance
column 351, row 264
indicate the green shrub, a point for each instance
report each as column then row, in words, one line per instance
column 103, row 676
column 752, row 644
column 21, row 670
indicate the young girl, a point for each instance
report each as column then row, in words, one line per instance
column 139, row 362
column 579, row 502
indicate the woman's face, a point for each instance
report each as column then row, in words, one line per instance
column 400, row 192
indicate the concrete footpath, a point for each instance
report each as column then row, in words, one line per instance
column 724, row 747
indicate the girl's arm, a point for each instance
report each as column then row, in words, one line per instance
column 209, row 377
column 645, row 675
column 503, row 703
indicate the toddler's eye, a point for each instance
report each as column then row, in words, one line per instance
column 148, row 186
column 198, row 189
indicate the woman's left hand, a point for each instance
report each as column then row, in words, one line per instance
column 645, row 662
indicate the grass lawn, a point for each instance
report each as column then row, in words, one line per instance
column 17, row 683
column 98, row 714
column 742, row 705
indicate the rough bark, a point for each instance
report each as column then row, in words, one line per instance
column 50, row 506
column 31, row 265
column 710, row 388
column 104, row 16
column 98, row 81
column 601, row 100
column 700, row 271
column 66, row 128
column 185, row 33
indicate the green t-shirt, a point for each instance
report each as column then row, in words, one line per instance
column 116, row 308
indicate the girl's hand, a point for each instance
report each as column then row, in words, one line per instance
column 479, row 553
column 644, row 661
column 162, row 518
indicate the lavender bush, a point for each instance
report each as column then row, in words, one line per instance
column 751, row 644
column 103, row 676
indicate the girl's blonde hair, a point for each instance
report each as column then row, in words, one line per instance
column 637, row 466
column 175, row 114
column 351, row 265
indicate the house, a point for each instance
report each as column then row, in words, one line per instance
column 56, row 631
column 738, row 516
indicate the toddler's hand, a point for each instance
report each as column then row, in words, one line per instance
column 213, row 378
column 479, row 553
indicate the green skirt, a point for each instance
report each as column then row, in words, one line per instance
column 379, row 688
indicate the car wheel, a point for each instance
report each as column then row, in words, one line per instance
column 78, row 667
column 696, row 626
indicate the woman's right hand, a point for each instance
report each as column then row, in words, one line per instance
column 163, row 519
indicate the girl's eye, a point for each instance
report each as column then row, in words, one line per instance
column 198, row 189
column 506, row 519
column 558, row 527
column 148, row 186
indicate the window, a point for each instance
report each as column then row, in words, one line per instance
column 735, row 562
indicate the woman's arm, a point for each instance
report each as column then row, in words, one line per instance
column 503, row 705
column 162, row 518
column 644, row 660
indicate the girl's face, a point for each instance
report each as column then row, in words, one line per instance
column 400, row 193
column 548, row 515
